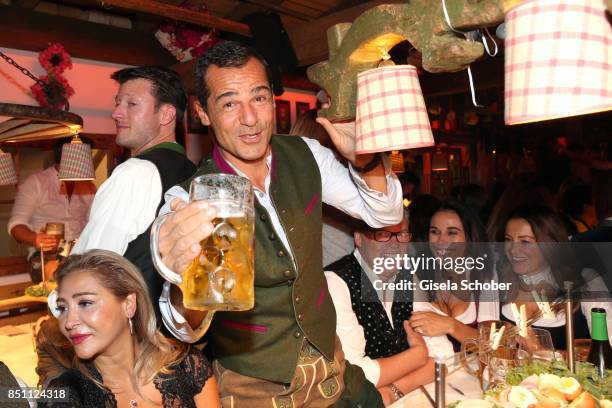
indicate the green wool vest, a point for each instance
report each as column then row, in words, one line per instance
column 290, row 305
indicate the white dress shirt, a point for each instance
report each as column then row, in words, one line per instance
column 348, row 329
column 341, row 187
column 123, row 208
column 593, row 283
column 441, row 346
column 41, row 198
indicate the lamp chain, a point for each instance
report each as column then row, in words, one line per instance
column 23, row 70
column 26, row 72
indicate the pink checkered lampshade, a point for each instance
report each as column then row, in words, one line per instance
column 391, row 113
column 558, row 60
column 8, row 175
column 76, row 163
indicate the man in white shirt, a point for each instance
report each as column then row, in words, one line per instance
column 150, row 102
column 43, row 198
column 372, row 320
column 265, row 357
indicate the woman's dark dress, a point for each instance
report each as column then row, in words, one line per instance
column 177, row 389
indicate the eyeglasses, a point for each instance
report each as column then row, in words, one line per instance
column 384, row 236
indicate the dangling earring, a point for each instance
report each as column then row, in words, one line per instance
column 131, row 326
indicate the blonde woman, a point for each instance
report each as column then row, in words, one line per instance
column 122, row 359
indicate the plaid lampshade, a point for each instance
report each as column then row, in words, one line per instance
column 391, row 113
column 76, row 163
column 8, row 175
column 558, row 60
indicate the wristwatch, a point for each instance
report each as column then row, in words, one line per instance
column 371, row 165
column 397, row 393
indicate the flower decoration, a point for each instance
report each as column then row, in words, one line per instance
column 54, row 93
column 53, row 90
column 186, row 41
column 55, row 59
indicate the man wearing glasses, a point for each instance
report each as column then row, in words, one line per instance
column 372, row 324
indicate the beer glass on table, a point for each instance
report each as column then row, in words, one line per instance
column 538, row 344
column 482, row 347
column 222, row 276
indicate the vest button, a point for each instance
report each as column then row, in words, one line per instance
column 300, row 316
column 298, row 299
column 287, row 274
column 280, row 253
column 283, row 211
column 272, row 237
column 297, row 334
column 263, row 217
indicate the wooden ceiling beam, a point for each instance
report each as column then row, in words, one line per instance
column 181, row 14
column 28, row 4
column 33, row 31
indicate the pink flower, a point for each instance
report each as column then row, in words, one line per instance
column 188, row 38
column 184, row 37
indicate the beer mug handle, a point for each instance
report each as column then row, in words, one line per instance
column 166, row 273
column 465, row 347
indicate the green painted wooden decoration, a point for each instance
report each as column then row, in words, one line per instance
column 359, row 46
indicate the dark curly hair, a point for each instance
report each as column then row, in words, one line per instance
column 226, row 54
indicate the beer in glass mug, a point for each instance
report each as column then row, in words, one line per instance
column 222, row 276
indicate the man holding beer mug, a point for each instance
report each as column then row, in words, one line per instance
column 43, row 198
column 283, row 351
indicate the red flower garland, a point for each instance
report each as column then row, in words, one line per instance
column 56, row 90
column 186, row 41
column 54, row 93
column 55, row 59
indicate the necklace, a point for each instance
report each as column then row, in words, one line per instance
column 133, row 403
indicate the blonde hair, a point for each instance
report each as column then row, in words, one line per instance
column 121, row 278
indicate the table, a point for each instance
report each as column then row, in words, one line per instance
column 17, row 351
column 21, row 300
column 459, row 379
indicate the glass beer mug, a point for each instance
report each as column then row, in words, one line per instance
column 222, row 277
column 481, row 348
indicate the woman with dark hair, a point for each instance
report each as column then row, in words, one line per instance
column 447, row 316
column 122, row 359
column 538, row 260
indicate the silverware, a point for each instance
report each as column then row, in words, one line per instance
column 424, row 390
column 456, row 389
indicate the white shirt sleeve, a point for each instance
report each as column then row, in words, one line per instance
column 123, row 207
column 26, row 200
column 349, row 330
column 172, row 319
column 176, row 323
column 438, row 346
column 347, row 191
